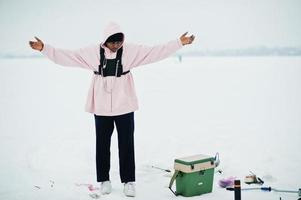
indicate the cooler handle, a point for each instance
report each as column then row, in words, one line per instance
column 216, row 160
column 173, row 178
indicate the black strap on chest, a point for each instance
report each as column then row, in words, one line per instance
column 103, row 61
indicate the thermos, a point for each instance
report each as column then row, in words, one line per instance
column 237, row 190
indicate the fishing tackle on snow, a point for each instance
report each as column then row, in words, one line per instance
column 253, row 179
column 166, row 170
column 269, row 189
column 237, row 190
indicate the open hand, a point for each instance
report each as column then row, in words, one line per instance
column 186, row 39
column 37, row 45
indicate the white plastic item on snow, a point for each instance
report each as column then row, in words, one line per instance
column 129, row 189
column 106, row 187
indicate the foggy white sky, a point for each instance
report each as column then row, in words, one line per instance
column 216, row 24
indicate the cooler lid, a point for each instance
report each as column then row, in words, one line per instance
column 191, row 160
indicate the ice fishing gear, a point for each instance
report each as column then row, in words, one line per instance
column 253, row 179
column 269, row 189
column 194, row 175
column 166, row 170
column 237, row 190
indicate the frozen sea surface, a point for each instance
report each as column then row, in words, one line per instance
column 246, row 108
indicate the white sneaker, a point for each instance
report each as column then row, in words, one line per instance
column 129, row 189
column 105, row 187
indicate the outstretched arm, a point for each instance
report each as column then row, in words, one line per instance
column 84, row 57
column 137, row 55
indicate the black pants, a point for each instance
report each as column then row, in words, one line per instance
column 104, row 129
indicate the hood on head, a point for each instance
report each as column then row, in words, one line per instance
column 117, row 37
column 111, row 29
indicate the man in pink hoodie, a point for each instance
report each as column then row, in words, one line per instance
column 112, row 97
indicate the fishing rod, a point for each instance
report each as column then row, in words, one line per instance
column 166, row 170
column 269, row 189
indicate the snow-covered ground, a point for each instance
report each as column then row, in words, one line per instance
column 246, row 108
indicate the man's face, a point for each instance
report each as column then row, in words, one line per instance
column 114, row 46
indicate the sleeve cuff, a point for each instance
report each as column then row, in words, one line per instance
column 180, row 43
column 44, row 50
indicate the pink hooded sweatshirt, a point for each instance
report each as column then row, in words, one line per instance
column 111, row 96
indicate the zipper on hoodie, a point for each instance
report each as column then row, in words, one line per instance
column 114, row 85
column 111, row 102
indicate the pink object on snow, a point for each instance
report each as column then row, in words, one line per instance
column 226, row 182
column 90, row 187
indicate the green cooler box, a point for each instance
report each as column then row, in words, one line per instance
column 193, row 175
